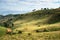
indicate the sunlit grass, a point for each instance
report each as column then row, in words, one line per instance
column 2, row 31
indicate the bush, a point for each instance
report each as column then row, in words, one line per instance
column 19, row 31
column 29, row 34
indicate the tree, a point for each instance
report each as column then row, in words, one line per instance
column 5, row 24
column 34, row 10
column 41, row 8
column 44, row 8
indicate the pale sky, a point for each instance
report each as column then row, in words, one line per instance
column 23, row 6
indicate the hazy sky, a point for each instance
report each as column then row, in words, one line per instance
column 22, row 6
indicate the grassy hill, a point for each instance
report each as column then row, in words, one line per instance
column 37, row 25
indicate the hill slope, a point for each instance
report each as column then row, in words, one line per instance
column 37, row 25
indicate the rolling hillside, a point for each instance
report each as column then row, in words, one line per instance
column 37, row 25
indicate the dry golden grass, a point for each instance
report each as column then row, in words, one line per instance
column 29, row 31
column 33, row 36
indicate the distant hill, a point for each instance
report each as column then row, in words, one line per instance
column 52, row 14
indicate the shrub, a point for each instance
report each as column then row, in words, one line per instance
column 29, row 34
column 20, row 32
